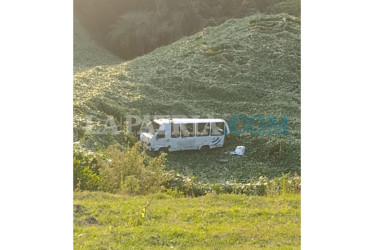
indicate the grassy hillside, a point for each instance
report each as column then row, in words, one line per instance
column 87, row 53
column 212, row 221
column 162, row 22
column 248, row 66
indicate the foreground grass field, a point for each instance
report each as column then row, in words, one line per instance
column 158, row 221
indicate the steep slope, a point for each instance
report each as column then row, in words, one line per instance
column 248, row 66
column 87, row 53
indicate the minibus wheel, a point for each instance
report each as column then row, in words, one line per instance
column 163, row 150
column 204, row 149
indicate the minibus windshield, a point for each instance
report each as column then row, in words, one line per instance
column 152, row 128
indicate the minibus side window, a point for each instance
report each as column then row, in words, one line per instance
column 203, row 129
column 175, row 131
column 218, row 128
column 188, row 130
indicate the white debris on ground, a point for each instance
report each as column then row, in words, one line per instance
column 238, row 151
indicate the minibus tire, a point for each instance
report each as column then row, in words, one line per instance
column 204, row 149
column 163, row 150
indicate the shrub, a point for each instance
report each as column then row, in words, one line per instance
column 131, row 185
column 131, row 170
column 85, row 170
column 261, row 186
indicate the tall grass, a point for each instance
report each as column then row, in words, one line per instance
column 158, row 221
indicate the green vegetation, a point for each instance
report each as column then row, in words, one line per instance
column 131, row 171
column 245, row 66
column 85, row 169
column 131, row 28
column 159, row 221
column 87, row 53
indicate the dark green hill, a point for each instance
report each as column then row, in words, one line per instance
column 248, row 66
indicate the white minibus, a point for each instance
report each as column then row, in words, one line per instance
column 176, row 134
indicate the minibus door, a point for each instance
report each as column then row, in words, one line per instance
column 175, row 137
column 188, row 139
column 163, row 137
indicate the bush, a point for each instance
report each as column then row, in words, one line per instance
column 85, row 170
column 131, row 185
column 131, row 170
column 261, row 187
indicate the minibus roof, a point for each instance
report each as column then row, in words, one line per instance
column 187, row 120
